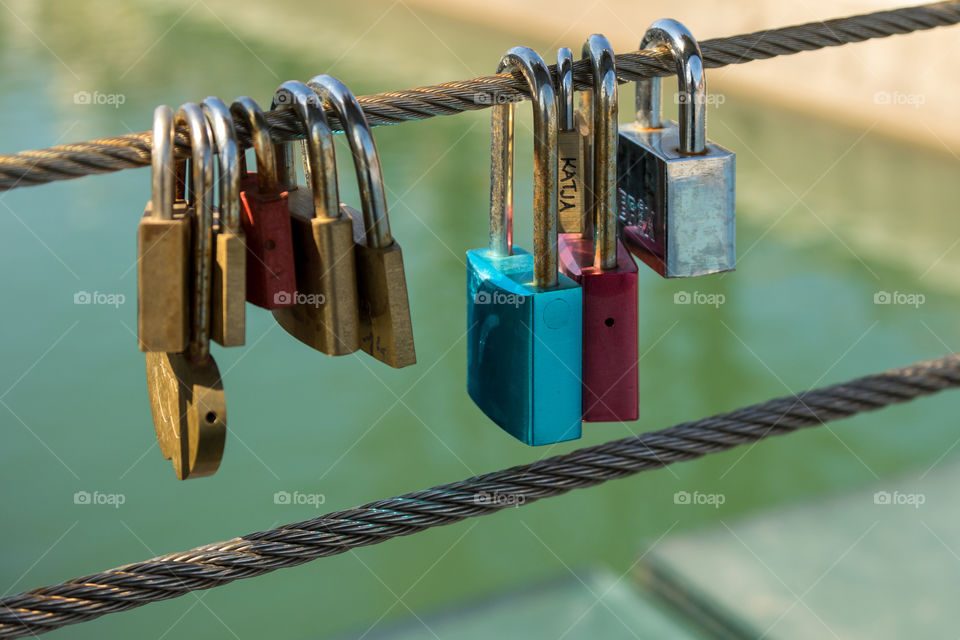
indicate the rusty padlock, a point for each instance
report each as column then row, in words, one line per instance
column 186, row 393
column 385, row 329
column 163, row 240
column 229, row 284
column 602, row 264
column 325, row 315
column 265, row 217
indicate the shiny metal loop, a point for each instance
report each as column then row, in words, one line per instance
column 537, row 76
column 224, row 138
column 366, row 160
column 250, row 113
column 200, row 196
column 565, row 93
column 320, row 155
column 692, row 85
column 599, row 52
column 163, row 173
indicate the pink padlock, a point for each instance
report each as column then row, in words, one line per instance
column 601, row 264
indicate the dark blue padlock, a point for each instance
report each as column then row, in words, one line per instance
column 524, row 335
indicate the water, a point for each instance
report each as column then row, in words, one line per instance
column 798, row 313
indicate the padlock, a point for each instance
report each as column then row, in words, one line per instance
column 572, row 186
column 523, row 316
column 602, row 265
column 186, row 393
column 163, row 241
column 265, row 218
column 675, row 194
column 325, row 315
column 228, row 288
column 385, row 329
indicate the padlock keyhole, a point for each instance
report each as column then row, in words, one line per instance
column 609, row 322
column 211, row 417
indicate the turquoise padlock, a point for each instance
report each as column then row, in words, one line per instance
column 524, row 331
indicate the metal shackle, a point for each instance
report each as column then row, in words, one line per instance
column 163, row 173
column 249, row 112
column 565, row 92
column 366, row 160
column 223, row 135
column 320, row 154
column 200, row 196
column 691, row 83
column 603, row 97
column 537, row 76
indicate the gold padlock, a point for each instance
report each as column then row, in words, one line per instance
column 385, row 329
column 325, row 314
column 573, row 145
column 163, row 240
column 186, row 393
column 229, row 277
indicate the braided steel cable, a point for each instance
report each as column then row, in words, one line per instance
column 173, row 575
column 106, row 155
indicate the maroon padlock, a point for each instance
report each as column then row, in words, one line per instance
column 602, row 265
column 265, row 217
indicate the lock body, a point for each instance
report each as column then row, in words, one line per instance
column 163, row 268
column 573, row 149
column 609, row 329
column 228, row 290
column 326, row 314
column 523, row 348
column 676, row 211
column 265, row 218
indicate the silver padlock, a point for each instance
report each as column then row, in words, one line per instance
column 675, row 188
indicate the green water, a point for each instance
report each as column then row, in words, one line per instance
column 799, row 312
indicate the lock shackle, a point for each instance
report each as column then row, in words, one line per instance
column 201, row 199
column 603, row 101
column 366, row 160
column 691, row 81
column 534, row 70
column 319, row 153
column 565, row 92
column 249, row 112
column 163, row 173
column 223, row 136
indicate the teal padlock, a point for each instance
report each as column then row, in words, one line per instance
column 524, row 332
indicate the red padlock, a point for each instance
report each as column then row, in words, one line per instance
column 602, row 265
column 265, row 217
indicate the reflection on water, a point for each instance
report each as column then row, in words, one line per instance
column 828, row 218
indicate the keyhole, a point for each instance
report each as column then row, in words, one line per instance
column 269, row 245
column 609, row 322
column 211, row 417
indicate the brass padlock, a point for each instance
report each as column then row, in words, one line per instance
column 324, row 315
column 186, row 393
column 573, row 144
column 385, row 329
column 229, row 278
column 163, row 240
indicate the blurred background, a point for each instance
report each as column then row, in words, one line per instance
column 847, row 190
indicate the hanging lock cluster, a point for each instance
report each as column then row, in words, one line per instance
column 552, row 337
column 332, row 276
